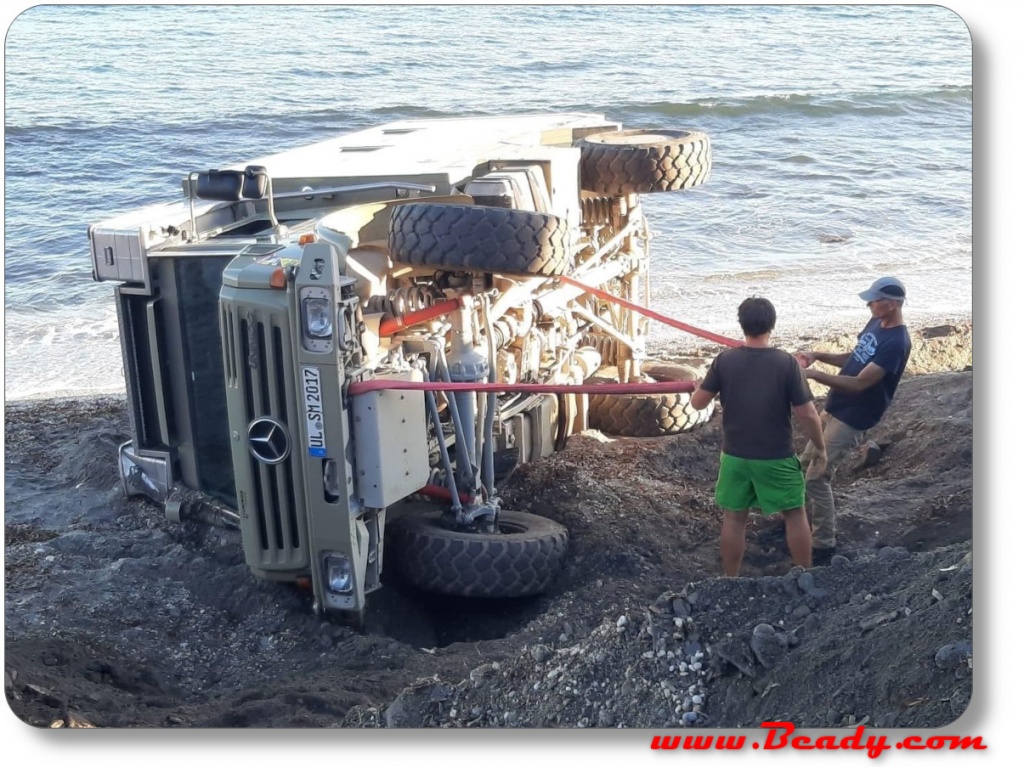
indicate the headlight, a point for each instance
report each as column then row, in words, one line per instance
column 317, row 317
column 337, row 573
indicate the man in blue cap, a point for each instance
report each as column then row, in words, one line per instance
column 858, row 398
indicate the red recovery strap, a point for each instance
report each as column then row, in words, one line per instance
column 389, row 384
column 653, row 315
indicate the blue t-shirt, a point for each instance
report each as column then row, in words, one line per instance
column 889, row 348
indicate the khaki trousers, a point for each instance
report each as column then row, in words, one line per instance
column 840, row 439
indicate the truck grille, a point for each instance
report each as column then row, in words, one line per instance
column 258, row 367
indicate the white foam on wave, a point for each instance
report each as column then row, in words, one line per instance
column 68, row 351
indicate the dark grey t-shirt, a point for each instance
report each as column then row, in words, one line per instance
column 757, row 387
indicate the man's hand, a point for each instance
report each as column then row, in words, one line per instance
column 811, row 374
column 818, row 463
column 805, row 359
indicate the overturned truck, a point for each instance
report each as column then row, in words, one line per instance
column 426, row 254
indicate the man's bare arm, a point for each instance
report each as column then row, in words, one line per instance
column 868, row 377
column 701, row 398
column 810, row 423
column 809, row 358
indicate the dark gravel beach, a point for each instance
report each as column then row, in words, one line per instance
column 118, row 618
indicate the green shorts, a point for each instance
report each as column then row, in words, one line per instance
column 770, row 485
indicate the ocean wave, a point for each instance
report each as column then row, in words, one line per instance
column 413, row 112
column 809, row 104
column 752, row 275
column 541, row 65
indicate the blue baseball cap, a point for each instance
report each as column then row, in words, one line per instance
column 882, row 288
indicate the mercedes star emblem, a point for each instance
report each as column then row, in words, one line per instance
column 268, row 440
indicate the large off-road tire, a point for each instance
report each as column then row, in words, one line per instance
column 646, row 415
column 617, row 163
column 479, row 239
column 523, row 559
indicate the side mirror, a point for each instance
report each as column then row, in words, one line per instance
column 256, row 183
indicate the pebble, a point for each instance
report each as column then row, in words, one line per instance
column 951, row 655
column 438, row 694
column 680, row 607
column 869, row 455
column 766, row 645
column 875, row 621
column 840, row 561
column 805, row 581
column 690, row 718
column 698, row 700
column 621, row 622
column 802, row 611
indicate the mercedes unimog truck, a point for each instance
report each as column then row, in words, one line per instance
column 344, row 348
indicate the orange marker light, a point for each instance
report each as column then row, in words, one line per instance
column 278, row 279
column 307, row 238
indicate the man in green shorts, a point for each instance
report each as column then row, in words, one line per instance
column 760, row 388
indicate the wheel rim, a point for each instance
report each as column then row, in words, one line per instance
column 505, row 527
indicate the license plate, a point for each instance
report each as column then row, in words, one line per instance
column 315, row 441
